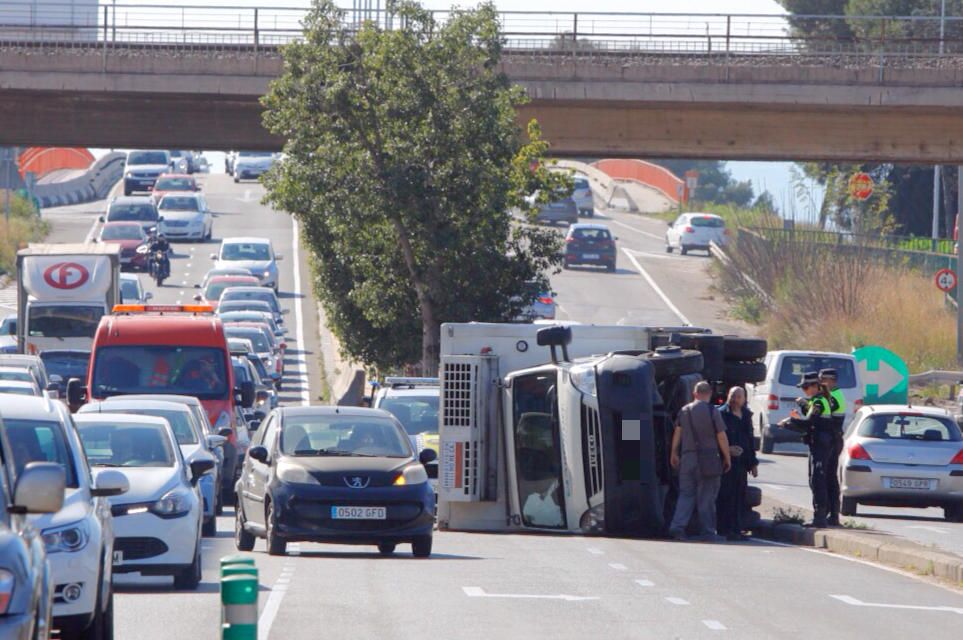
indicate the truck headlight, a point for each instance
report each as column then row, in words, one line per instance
column 593, row 520
column 174, row 503
column 70, row 538
column 583, row 378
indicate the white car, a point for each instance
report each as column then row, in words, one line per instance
column 20, row 388
column 131, row 289
column 8, row 334
column 157, row 523
column 185, row 215
column 79, row 538
column 194, row 442
column 254, row 254
column 695, row 231
column 773, row 399
column 250, row 165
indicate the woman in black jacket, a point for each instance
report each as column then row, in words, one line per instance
column 731, row 503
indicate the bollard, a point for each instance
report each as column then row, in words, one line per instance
column 237, row 559
column 239, row 602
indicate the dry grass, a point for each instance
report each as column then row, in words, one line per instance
column 831, row 299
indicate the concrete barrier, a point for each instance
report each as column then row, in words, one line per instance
column 93, row 184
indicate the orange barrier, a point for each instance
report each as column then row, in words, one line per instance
column 43, row 160
column 659, row 178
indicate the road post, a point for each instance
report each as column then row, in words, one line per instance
column 239, row 588
column 959, row 270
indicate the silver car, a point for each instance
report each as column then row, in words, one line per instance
column 582, row 194
column 254, row 254
column 564, row 211
column 8, row 334
column 903, row 456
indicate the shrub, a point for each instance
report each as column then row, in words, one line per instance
column 23, row 226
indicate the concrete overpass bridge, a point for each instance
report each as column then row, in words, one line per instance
column 653, row 85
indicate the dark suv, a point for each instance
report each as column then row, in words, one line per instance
column 590, row 244
column 26, row 588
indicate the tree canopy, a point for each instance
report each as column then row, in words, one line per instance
column 404, row 162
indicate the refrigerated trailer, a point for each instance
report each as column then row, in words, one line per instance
column 62, row 292
column 564, row 428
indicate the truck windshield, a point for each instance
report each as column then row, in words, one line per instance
column 63, row 322
column 538, row 460
column 189, row 371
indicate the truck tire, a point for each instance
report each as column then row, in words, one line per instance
column 767, row 443
column 744, row 349
column 739, row 373
column 711, row 346
column 672, row 362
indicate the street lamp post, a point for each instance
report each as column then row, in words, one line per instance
column 937, row 168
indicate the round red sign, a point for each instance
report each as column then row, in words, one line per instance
column 946, row 280
column 66, row 275
column 861, row 186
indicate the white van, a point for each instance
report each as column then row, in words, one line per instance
column 772, row 400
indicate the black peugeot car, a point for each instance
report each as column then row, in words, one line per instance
column 338, row 475
column 590, row 244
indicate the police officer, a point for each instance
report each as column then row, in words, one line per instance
column 837, row 404
column 817, row 428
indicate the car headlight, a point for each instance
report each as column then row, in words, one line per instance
column 412, row 474
column 173, row 504
column 128, row 175
column 583, row 378
column 267, row 274
column 72, row 537
column 294, row 474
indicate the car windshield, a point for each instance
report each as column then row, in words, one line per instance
column 244, row 305
column 16, row 374
column 174, row 184
column 417, row 414
column 63, row 322
column 246, row 251
column 232, row 271
column 343, row 435
column 258, row 339
column 40, row 441
column 215, row 289
column 17, row 389
column 189, row 371
column 181, row 420
column 241, row 373
column 109, row 444
column 122, row 232
column 179, row 203
column 256, row 293
column 136, row 212
column 9, row 326
column 147, row 157
column 581, row 183
column 259, row 365
column 793, row 368
column 903, row 426
column 129, row 290
column 706, row 221
column 591, row 234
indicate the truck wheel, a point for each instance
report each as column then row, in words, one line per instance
column 744, row 349
column 849, row 507
column 670, row 362
column 766, row 444
column 711, row 347
column 739, row 373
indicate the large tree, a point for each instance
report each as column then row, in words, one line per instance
column 403, row 162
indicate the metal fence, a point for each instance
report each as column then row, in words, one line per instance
column 880, row 40
column 910, row 244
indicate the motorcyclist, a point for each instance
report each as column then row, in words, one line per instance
column 159, row 243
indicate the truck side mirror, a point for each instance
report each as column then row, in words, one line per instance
column 75, row 392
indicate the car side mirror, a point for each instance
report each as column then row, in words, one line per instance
column 215, row 441
column 247, row 393
column 213, row 256
column 40, row 488
column 427, row 456
column 258, row 453
column 102, row 219
column 278, row 256
column 148, row 295
column 110, row 483
column 197, row 286
column 198, row 297
column 199, row 468
column 225, row 432
column 75, row 392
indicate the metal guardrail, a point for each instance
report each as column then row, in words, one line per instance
column 859, row 41
column 913, row 244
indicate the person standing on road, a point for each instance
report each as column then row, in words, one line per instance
column 817, row 429
column 731, row 503
column 700, row 454
column 837, row 406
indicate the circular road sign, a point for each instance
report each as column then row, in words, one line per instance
column 66, row 275
column 861, row 186
column 946, row 280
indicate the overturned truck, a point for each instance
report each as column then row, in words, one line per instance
column 568, row 428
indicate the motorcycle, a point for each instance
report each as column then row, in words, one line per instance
column 158, row 264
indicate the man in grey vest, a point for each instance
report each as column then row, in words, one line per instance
column 700, row 454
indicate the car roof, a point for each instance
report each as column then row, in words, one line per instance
column 158, row 397
column 832, row 354
column 245, row 240
column 175, row 175
column 326, row 410
column 237, row 277
column 908, row 408
column 18, row 407
column 700, row 214
column 122, row 223
column 245, row 288
column 19, row 359
column 133, row 200
column 18, row 384
column 121, row 418
column 587, row 225
column 181, row 194
column 130, row 276
column 13, row 367
column 137, row 403
column 250, row 301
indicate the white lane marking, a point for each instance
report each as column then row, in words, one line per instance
column 679, row 601
column 914, row 607
column 655, row 287
column 298, row 319
column 715, row 625
column 645, row 583
column 636, row 229
column 478, row 592
column 92, row 232
column 618, row 566
column 594, row 551
column 939, row 530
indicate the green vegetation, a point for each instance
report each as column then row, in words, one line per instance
column 788, row 515
column 24, row 226
column 404, row 161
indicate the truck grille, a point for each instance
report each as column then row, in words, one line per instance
column 591, row 449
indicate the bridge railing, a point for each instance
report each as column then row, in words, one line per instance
column 883, row 39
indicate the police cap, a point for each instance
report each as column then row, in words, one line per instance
column 828, row 374
column 810, row 377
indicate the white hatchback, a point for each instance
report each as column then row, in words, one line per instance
column 185, row 215
column 695, row 231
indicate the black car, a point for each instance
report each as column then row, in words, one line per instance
column 67, row 364
column 338, row 475
column 590, row 244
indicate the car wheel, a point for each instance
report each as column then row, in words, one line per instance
column 610, row 268
column 236, row 179
column 276, row 546
column 188, row 578
column 668, row 248
column 848, row 507
column 766, row 444
column 209, row 528
column 127, row 191
column 243, row 539
column 421, row 546
column 683, row 250
column 386, row 548
column 102, row 625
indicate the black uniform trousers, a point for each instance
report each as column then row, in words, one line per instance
column 731, row 503
column 825, row 446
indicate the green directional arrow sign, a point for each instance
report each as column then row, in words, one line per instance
column 884, row 375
